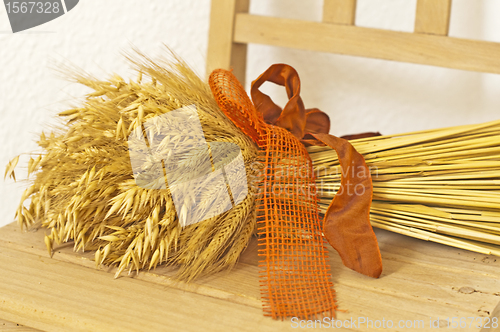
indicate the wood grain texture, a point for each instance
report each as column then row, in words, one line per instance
column 6, row 326
column 339, row 11
column 425, row 49
column 421, row 280
column 433, row 17
column 222, row 51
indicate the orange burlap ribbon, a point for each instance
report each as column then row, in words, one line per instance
column 295, row 275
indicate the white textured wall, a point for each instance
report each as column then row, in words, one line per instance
column 359, row 94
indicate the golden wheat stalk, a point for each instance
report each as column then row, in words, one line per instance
column 83, row 189
column 440, row 185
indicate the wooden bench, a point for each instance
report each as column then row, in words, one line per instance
column 421, row 283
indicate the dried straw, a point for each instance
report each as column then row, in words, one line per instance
column 440, row 185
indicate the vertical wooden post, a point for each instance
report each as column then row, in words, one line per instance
column 495, row 313
column 433, row 17
column 222, row 51
column 339, row 11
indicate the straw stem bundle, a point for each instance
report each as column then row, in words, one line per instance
column 440, row 185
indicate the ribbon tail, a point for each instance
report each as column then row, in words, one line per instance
column 347, row 221
column 296, row 281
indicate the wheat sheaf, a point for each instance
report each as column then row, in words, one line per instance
column 82, row 188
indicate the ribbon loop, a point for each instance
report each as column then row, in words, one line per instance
column 293, row 117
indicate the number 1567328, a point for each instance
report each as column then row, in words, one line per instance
column 47, row 7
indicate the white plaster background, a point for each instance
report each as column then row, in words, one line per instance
column 359, row 94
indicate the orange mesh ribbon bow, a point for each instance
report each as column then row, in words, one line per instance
column 295, row 274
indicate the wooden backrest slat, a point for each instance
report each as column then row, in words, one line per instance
column 410, row 47
column 339, row 11
column 433, row 17
column 223, row 52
